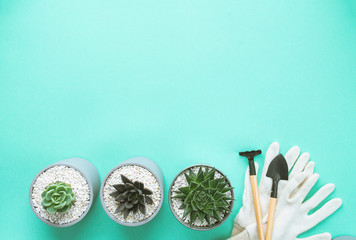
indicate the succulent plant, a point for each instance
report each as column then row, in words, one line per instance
column 205, row 196
column 58, row 197
column 131, row 196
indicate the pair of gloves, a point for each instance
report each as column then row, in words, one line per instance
column 291, row 216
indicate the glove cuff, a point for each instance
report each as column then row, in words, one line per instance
column 252, row 231
column 241, row 235
column 236, row 229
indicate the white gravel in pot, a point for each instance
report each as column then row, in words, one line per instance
column 69, row 176
column 134, row 173
column 182, row 182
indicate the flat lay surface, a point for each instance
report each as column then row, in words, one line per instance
column 179, row 82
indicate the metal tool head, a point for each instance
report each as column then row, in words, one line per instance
column 250, row 156
column 277, row 170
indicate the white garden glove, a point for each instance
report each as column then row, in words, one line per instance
column 291, row 217
column 246, row 215
column 292, row 214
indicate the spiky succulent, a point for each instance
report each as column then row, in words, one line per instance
column 205, row 196
column 58, row 197
column 131, row 196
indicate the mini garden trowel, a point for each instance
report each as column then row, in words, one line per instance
column 256, row 198
column 277, row 170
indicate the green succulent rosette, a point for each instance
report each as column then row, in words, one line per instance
column 58, row 197
column 205, row 196
column 131, row 196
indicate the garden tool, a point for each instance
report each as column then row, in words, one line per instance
column 243, row 222
column 277, row 170
column 256, row 198
column 292, row 216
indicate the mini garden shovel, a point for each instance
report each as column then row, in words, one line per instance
column 277, row 170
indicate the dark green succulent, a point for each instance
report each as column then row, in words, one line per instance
column 131, row 196
column 58, row 197
column 205, row 196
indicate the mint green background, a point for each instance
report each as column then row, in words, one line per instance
column 181, row 82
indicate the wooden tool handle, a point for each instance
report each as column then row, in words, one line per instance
column 271, row 211
column 256, row 203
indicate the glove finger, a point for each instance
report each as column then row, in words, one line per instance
column 325, row 211
column 319, row 196
column 244, row 210
column 272, row 152
column 321, row 236
column 303, row 191
column 291, row 156
column 309, row 168
column 299, row 165
column 247, row 195
column 292, row 185
column 244, row 215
